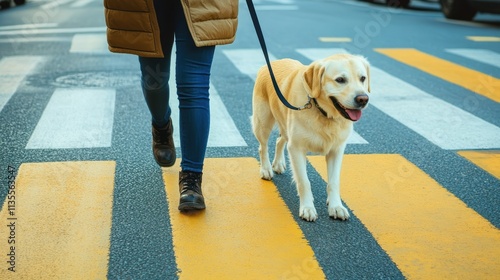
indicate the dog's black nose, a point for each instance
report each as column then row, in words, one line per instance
column 361, row 99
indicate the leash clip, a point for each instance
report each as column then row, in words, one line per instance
column 308, row 105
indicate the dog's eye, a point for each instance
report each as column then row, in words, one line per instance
column 363, row 78
column 340, row 80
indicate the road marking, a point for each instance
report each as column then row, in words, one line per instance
column 63, row 221
column 319, row 53
column 277, row 1
column 51, row 6
column 487, row 160
column 81, row 3
column 94, row 43
column 249, row 61
column 276, row 8
column 75, row 118
column 34, row 39
column 53, row 31
column 28, row 27
column 427, row 231
column 481, row 55
column 335, row 39
column 13, row 70
column 443, row 124
column 484, row 38
column 247, row 230
column 223, row 131
column 475, row 81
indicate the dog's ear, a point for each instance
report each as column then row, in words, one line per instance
column 312, row 79
column 367, row 66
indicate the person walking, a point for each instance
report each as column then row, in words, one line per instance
column 148, row 28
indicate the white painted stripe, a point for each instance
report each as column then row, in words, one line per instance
column 443, row 124
column 320, row 53
column 28, row 26
column 13, row 70
column 355, row 138
column 249, row 61
column 53, row 31
column 223, row 131
column 54, row 4
column 75, row 118
column 81, row 3
column 481, row 55
column 35, row 39
column 276, row 8
column 94, row 43
column 282, row 1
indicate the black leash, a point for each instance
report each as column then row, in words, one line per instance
column 256, row 24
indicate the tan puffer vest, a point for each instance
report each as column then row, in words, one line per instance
column 133, row 27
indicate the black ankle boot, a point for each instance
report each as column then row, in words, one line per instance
column 190, row 191
column 163, row 145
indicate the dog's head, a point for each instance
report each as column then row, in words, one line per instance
column 340, row 84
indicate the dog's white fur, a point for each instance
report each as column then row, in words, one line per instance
column 342, row 76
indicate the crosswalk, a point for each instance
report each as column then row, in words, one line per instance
column 433, row 235
column 426, row 231
column 452, row 128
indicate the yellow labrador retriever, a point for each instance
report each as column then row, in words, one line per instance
column 338, row 88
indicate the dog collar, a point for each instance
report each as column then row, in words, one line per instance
column 319, row 107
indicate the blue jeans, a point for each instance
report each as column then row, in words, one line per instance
column 193, row 66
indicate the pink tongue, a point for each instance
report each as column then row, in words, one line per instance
column 354, row 114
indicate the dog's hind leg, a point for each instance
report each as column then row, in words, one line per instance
column 334, row 162
column 262, row 126
column 279, row 162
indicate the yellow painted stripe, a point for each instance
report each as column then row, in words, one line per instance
column 484, row 38
column 63, row 221
column 475, row 81
column 335, row 39
column 246, row 232
column 427, row 231
column 487, row 160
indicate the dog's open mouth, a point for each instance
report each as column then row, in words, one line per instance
column 350, row 114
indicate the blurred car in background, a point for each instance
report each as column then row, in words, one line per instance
column 467, row 9
column 398, row 3
column 4, row 4
column 392, row 3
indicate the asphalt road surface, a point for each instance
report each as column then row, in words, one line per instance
column 84, row 199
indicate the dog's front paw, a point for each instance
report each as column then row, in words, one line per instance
column 266, row 173
column 308, row 213
column 279, row 166
column 338, row 212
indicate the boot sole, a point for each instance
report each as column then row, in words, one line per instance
column 186, row 206
column 167, row 164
